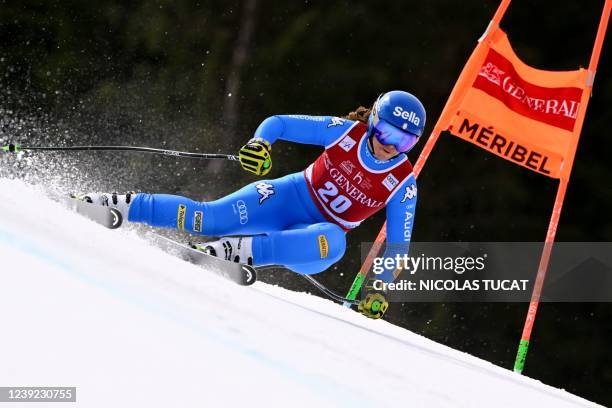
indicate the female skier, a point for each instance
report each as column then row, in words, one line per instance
column 300, row 220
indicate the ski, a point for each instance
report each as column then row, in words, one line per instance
column 239, row 273
column 111, row 218
column 106, row 216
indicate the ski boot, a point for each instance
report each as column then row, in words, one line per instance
column 119, row 201
column 234, row 249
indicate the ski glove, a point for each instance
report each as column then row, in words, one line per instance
column 255, row 156
column 374, row 305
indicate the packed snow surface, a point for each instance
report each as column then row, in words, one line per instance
column 131, row 326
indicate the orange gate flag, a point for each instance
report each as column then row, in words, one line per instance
column 526, row 115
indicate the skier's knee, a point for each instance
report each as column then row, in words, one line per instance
column 331, row 245
column 332, row 242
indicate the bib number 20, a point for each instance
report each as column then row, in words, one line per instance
column 337, row 202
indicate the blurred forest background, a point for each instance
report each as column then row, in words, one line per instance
column 201, row 75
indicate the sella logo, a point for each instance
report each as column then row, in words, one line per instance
column 409, row 116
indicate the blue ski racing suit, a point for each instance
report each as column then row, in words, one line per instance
column 300, row 220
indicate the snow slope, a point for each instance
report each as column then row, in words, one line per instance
column 131, row 326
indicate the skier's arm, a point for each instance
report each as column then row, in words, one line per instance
column 314, row 130
column 400, row 219
column 255, row 156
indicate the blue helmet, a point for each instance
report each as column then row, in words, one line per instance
column 397, row 118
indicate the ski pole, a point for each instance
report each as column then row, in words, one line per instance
column 324, row 289
column 328, row 292
column 14, row 148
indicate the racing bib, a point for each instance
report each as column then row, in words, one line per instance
column 344, row 189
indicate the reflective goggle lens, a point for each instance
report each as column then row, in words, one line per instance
column 388, row 134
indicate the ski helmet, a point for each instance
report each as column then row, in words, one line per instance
column 398, row 119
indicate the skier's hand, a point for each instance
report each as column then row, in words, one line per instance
column 255, row 156
column 374, row 305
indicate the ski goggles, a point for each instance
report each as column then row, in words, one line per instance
column 388, row 134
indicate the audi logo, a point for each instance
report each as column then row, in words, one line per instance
column 242, row 211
